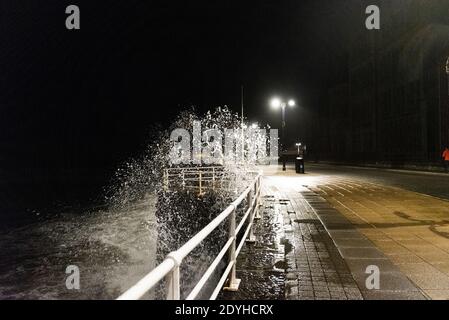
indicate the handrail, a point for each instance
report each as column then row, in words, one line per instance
column 169, row 268
column 199, row 178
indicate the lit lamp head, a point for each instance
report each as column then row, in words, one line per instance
column 291, row 103
column 276, row 103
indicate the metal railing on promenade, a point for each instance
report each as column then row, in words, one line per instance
column 170, row 267
column 197, row 178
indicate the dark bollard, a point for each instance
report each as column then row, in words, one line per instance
column 299, row 165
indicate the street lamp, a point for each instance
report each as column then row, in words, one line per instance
column 299, row 146
column 277, row 103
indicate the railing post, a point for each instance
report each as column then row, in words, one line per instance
column 200, row 182
column 249, row 199
column 233, row 282
column 213, row 178
column 173, row 278
column 173, row 289
column 257, row 208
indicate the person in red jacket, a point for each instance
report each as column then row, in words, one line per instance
column 446, row 159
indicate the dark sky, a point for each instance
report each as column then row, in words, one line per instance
column 79, row 102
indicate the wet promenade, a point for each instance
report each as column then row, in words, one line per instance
column 321, row 231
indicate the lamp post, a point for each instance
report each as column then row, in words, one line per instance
column 243, row 132
column 299, row 146
column 277, row 104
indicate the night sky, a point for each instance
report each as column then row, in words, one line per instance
column 75, row 104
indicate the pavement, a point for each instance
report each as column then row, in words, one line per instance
column 293, row 256
column 314, row 268
column 339, row 222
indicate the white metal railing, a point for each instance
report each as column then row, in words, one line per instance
column 199, row 178
column 170, row 267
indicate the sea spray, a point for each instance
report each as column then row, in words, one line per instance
column 182, row 213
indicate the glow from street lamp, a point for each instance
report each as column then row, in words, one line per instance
column 291, row 103
column 276, row 103
column 255, row 126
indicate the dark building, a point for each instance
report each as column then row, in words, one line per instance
column 393, row 105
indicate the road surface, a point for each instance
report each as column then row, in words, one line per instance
column 434, row 184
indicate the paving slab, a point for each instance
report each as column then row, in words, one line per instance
column 393, row 295
column 360, row 253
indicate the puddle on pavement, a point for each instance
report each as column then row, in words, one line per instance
column 262, row 266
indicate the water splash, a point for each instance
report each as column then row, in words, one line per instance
column 137, row 177
column 182, row 213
